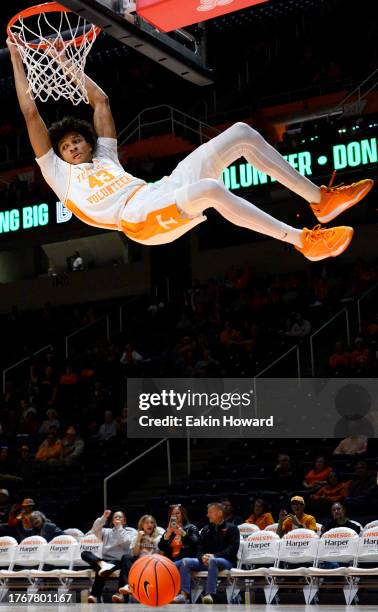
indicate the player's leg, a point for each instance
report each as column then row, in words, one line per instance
column 206, row 193
column 240, row 140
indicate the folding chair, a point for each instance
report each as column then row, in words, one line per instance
column 29, row 553
column 247, row 529
column 297, row 547
column 367, row 552
column 8, row 548
column 60, row 552
column 261, row 550
column 371, row 524
column 272, row 527
column 337, row 545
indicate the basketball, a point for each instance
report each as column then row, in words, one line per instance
column 154, row 580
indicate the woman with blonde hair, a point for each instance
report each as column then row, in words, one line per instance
column 145, row 542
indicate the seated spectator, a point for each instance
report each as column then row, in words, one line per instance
column 228, row 513
column 297, row 519
column 69, row 377
column 180, row 538
column 72, row 447
column 50, row 451
column 284, row 477
column 19, row 516
column 340, row 519
column 147, row 538
column 340, row 360
column 260, row 516
column 363, row 486
column 116, row 553
column 6, row 466
column 77, row 262
column 317, row 477
column 217, row 550
column 333, row 491
column 353, row 445
column 51, row 421
column 42, row 526
column 130, row 356
column 24, row 461
column 109, row 429
column 300, row 328
column 5, row 506
column 360, row 356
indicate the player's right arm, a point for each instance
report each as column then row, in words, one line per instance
column 37, row 130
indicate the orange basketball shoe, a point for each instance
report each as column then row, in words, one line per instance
column 334, row 200
column 321, row 243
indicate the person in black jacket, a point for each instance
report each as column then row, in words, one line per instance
column 180, row 538
column 218, row 547
column 41, row 526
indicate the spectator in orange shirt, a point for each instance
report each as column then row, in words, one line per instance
column 260, row 516
column 317, row 477
column 372, row 328
column 19, row 516
column 50, row 451
column 333, row 491
column 229, row 335
column 69, row 377
column 297, row 520
column 360, row 356
column 340, row 360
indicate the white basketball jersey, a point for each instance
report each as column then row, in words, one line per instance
column 95, row 192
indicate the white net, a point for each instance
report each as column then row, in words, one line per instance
column 54, row 48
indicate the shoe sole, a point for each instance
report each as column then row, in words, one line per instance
column 106, row 573
column 342, row 207
column 124, row 592
column 340, row 249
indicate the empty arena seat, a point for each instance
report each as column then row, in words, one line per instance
column 30, row 553
column 367, row 552
column 338, row 545
column 8, row 548
column 371, row 524
column 60, row 552
column 257, row 553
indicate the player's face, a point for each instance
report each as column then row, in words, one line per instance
column 74, row 149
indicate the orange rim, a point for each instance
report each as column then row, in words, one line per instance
column 50, row 7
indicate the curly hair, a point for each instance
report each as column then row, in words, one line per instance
column 59, row 129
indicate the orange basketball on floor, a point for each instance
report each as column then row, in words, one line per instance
column 154, row 580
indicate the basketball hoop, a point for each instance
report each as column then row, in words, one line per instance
column 54, row 43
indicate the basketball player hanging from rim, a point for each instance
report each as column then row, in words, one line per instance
column 81, row 166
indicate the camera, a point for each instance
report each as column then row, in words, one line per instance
column 173, row 522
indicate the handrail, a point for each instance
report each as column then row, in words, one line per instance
column 343, row 310
column 15, row 365
column 358, row 89
column 77, row 331
column 296, row 347
column 122, row 139
column 146, row 452
column 363, row 296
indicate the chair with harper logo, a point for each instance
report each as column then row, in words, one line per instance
column 247, row 529
column 76, row 533
column 272, row 527
column 8, row 548
column 29, row 554
column 257, row 553
column 60, row 553
column 80, row 568
column 367, row 553
column 297, row 548
column 371, row 524
column 338, row 545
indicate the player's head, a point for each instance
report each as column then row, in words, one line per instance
column 73, row 140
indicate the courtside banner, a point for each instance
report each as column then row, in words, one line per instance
column 252, row 408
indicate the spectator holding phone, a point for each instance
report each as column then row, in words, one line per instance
column 181, row 537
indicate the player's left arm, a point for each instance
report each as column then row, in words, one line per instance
column 102, row 115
